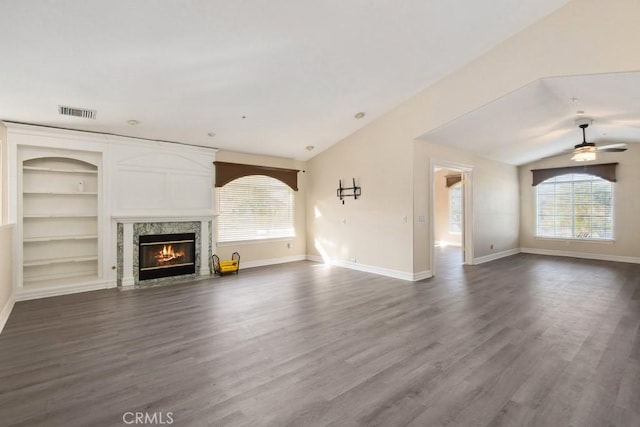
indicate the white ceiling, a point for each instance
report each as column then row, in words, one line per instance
column 538, row 120
column 298, row 70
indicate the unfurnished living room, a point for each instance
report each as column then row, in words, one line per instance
column 329, row 213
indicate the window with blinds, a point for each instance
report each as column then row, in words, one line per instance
column 575, row 206
column 455, row 208
column 255, row 207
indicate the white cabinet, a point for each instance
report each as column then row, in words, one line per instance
column 60, row 212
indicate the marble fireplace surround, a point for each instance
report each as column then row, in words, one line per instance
column 129, row 230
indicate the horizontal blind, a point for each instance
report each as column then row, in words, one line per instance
column 455, row 208
column 255, row 207
column 575, row 206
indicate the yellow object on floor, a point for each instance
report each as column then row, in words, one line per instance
column 227, row 266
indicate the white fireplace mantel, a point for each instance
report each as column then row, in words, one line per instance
column 164, row 217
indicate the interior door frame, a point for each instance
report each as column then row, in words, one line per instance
column 467, row 192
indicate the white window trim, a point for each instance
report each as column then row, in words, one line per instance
column 255, row 241
column 578, row 239
column 574, row 240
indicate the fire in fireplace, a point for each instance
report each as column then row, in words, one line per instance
column 166, row 255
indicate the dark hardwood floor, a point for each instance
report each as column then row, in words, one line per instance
column 527, row 340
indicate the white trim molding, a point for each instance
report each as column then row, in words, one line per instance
column 396, row 274
column 467, row 229
column 315, row 258
column 422, row 275
column 163, row 217
column 271, row 261
column 601, row 257
column 6, row 311
column 497, row 255
column 29, row 294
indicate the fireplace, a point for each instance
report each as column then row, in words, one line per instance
column 166, row 255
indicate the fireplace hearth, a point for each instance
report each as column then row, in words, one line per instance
column 166, row 255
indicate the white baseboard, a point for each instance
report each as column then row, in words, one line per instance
column 601, row 257
column 396, row 274
column 29, row 294
column 315, row 258
column 421, row 275
column 271, row 261
column 6, row 311
column 497, row 255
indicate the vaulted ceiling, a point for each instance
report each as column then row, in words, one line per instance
column 539, row 120
column 266, row 77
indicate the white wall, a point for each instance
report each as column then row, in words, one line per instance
column 6, row 273
column 277, row 250
column 584, row 37
column 495, row 202
column 4, row 182
column 370, row 231
column 626, row 246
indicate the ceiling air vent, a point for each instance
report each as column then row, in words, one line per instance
column 76, row 112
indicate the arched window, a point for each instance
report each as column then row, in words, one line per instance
column 575, row 206
column 255, row 207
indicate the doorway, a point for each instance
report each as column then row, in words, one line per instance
column 451, row 237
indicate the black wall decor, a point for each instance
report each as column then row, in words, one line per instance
column 343, row 192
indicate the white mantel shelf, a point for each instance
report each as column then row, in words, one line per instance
column 133, row 219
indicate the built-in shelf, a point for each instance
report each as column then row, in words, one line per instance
column 59, row 238
column 60, row 222
column 50, row 261
column 73, row 171
column 70, row 280
column 60, row 193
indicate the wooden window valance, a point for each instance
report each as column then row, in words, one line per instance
column 605, row 171
column 453, row 180
column 227, row 172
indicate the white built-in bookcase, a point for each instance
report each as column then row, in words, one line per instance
column 66, row 234
column 60, row 215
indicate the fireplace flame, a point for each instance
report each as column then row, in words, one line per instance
column 168, row 254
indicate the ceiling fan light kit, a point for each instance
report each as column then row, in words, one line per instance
column 584, row 154
column 586, row 151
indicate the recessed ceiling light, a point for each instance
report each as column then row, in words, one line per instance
column 133, row 122
column 310, row 147
column 359, row 115
column 580, row 112
column 211, row 134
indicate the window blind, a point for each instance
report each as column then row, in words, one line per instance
column 255, row 207
column 575, row 206
column 455, row 208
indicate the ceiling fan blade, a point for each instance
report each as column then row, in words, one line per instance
column 606, row 147
column 612, row 150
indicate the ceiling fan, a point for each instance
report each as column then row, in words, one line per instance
column 586, row 151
